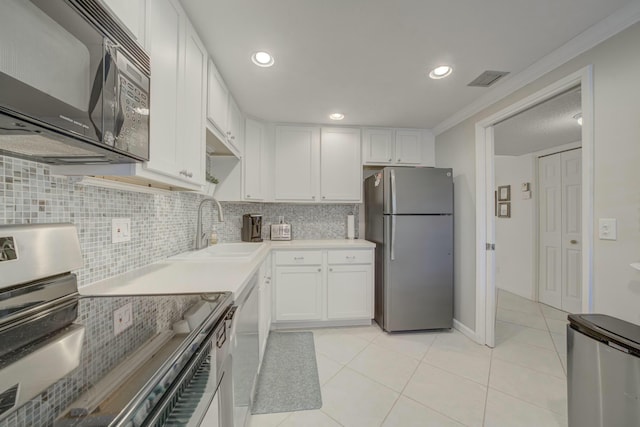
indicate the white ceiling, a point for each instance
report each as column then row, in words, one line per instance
column 546, row 125
column 369, row 58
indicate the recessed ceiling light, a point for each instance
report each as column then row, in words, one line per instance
column 440, row 72
column 262, row 59
column 336, row 116
column 578, row 118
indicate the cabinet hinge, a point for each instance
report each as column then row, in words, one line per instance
column 491, row 246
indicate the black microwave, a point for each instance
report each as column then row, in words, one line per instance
column 74, row 85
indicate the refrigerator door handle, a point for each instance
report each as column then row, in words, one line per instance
column 393, row 237
column 393, row 192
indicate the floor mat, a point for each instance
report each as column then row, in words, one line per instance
column 288, row 379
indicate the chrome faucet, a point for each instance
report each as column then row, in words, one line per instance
column 201, row 237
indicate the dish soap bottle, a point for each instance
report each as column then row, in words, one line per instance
column 214, row 238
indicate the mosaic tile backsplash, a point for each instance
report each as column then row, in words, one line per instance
column 162, row 225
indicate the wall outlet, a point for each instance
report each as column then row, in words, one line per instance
column 122, row 318
column 607, row 229
column 120, row 230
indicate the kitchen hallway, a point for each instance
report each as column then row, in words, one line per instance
column 371, row 378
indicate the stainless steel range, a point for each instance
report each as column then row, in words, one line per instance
column 71, row 360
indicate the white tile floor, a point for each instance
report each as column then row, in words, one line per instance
column 371, row 378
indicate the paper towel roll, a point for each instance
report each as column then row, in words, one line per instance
column 351, row 227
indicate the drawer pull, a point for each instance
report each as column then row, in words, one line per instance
column 319, row 269
column 350, row 257
column 331, row 269
column 298, row 258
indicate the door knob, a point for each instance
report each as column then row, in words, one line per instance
column 573, row 242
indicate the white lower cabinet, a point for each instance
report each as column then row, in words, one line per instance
column 349, row 292
column 298, row 294
column 317, row 287
column 265, row 291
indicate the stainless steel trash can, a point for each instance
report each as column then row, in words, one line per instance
column 603, row 371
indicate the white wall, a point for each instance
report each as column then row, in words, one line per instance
column 455, row 153
column 515, row 236
column 616, row 73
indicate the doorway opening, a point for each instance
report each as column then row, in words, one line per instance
column 492, row 207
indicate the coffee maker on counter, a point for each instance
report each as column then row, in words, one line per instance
column 252, row 228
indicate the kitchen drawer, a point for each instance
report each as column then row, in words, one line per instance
column 298, row 258
column 350, row 257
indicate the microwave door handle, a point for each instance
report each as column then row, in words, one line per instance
column 96, row 90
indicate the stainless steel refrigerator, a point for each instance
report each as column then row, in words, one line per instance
column 409, row 215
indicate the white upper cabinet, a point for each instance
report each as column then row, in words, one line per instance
column 178, row 58
column 340, row 165
column 411, row 147
column 223, row 113
column 133, row 14
column 167, row 31
column 408, row 147
column 217, row 99
column 315, row 166
column 192, row 138
column 296, row 163
column 235, row 132
column 378, row 146
column 255, row 166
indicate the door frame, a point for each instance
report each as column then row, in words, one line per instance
column 485, row 184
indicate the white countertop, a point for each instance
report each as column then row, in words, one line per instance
column 204, row 275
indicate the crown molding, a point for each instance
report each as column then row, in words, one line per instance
column 594, row 35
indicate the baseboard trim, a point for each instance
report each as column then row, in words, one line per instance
column 466, row 331
column 319, row 324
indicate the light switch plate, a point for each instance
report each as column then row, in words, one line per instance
column 120, row 230
column 607, row 229
column 122, row 318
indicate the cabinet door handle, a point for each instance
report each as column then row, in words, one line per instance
column 313, row 197
column 319, row 269
column 331, row 269
column 390, row 159
column 323, row 197
column 399, row 160
column 248, row 196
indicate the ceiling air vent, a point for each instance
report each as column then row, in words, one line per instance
column 488, row 78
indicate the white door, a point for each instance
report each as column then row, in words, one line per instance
column 296, row 167
column 572, row 231
column 560, row 207
column 340, row 165
column 550, row 213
